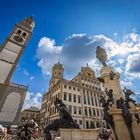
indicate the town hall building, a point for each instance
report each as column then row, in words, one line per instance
column 80, row 95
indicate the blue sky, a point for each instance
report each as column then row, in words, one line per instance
column 63, row 28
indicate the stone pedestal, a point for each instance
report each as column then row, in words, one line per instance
column 120, row 126
column 78, row 134
column 111, row 83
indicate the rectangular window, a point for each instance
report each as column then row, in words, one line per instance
column 65, row 96
column 74, row 98
column 75, row 110
column 79, row 99
column 96, row 102
column 80, row 122
column 69, row 87
column 88, row 100
column 94, row 112
column 84, row 99
column 74, row 88
column 86, row 112
column 92, row 100
column 90, row 114
column 98, row 113
column 87, row 124
column 65, row 86
column 79, row 110
column 69, row 97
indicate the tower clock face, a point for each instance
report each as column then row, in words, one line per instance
column 18, row 38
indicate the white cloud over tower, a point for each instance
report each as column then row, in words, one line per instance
column 79, row 49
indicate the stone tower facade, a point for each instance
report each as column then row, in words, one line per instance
column 57, row 73
column 13, row 47
column 12, row 95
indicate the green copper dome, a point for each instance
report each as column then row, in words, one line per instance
column 58, row 65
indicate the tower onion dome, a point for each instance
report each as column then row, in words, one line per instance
column 58, row 65
column 28, row 23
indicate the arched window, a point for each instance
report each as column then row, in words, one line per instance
column 30, row 22
column 24, row 35
column 18, row 32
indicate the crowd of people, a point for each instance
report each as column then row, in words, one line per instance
column 27, row 129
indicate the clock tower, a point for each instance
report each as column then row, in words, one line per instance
column 13, row 47
column 57, row 73
column 12, row 95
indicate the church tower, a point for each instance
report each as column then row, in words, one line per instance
column 57, row 73
column 13, row 47
column 12, row 95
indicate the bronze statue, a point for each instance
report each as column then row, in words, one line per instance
column 106, row 116
column 123, row 104
column 110, row 96
column 127, row 93
column 101, row 55
column 65, row 121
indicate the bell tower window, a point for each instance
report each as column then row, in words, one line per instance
column 24, row 35
column 18, row 32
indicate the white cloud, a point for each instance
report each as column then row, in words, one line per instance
column 25, row 72
column 132, row 37
column 119, row 70
column 133, row 66
column 32, row 77
column 126, row 83
column 115, row 34
column 79, row 49
column 32, row 99
column 120, row 61
column 48, row 54
column 48, row 45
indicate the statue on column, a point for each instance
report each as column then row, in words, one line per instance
column 101, row 55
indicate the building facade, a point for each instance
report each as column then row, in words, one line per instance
column 81, row 96
column 12, row 95
column 31, row 113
